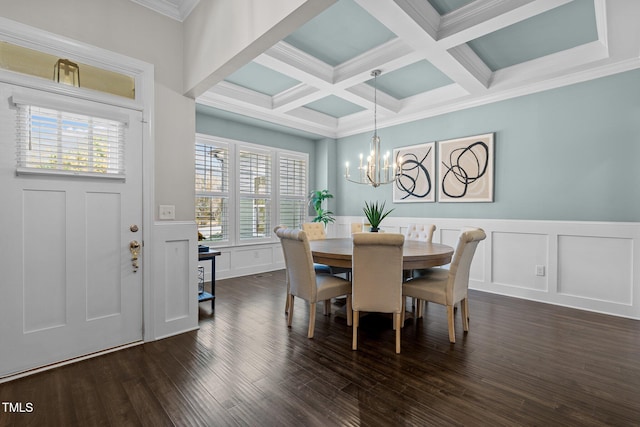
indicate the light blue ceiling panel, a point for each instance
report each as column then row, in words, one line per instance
column 445, row 6
column 411, row 80
column 340, row 33
column 564, row 27
column 261, row 79
column 334, row 106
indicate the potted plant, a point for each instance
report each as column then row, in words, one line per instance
column 375, row 214
column 316, row 198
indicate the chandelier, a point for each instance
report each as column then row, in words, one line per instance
column 379, row 169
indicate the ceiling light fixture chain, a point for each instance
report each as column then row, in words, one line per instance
column 378, row 170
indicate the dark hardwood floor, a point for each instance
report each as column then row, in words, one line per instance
column 522, row 363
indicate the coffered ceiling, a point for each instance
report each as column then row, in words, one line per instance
column 436, row 56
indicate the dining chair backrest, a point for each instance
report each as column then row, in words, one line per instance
column 460, row 267
column 420, row 232
column 356, row 227
column 314, row 230
column 299, row 263
column 377, row 272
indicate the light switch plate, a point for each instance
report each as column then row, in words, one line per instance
column 167, row 212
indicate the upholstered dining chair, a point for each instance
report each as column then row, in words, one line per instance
column 448, row 286
column 420, row 232
column 316, row 231
column 302, row 279
column 377, row 278
column 319, row 268
column 356, row 227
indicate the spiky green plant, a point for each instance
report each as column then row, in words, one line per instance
column 375, row 213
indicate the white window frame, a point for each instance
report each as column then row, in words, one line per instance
column 270, row 195
column 234, row 147
column 223, row 193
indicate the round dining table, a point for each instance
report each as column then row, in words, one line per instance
column 336, row 252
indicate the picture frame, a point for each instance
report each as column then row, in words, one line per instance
column 466, row 169
column 416, row 181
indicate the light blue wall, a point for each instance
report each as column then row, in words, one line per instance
column 325, row 155
column 566, row 154
column 224, row 128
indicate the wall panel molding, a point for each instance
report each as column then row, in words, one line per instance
column 174, row 279
column 587, row 265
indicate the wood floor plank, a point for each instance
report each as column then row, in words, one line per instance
column 522, row 363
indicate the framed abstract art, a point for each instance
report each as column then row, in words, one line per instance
column 466, row 169
column 416, row 181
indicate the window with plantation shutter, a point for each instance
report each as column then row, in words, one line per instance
column 293, row 189
column 243, row 189
column 212, row 190
column 53, row 141
column 254, row 185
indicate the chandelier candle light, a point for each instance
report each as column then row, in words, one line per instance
column 378, row 170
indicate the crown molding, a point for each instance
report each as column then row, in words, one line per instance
column 178, row 10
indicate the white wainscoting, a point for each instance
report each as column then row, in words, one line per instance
column 235, row 261
column 587, row 265
column 174, row 277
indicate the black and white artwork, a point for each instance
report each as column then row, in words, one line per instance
column 466, row 169
column 416, row 180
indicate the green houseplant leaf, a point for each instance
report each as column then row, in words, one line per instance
column 316, row 198
column 375, row 213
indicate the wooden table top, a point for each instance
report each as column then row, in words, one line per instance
column 337, row 252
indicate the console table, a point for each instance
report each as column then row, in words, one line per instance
column 206, row 296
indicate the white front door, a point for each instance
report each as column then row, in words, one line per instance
column 67, row 284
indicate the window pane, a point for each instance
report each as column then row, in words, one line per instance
column 292, row 212
column 212, row 168
column 255, row 172
column 56, row 140
column 211, row 217
column 254, row 218
column 293, row 174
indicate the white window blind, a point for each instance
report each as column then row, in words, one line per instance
column 212, row 191
column 254, row 185
column 293, row 190
column 52, row 141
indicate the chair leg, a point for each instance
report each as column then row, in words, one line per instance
column 312, row 319
column 286, row 303
column 396, row 318
column 464, row 311
column 356, row 319
column 290, row 307
column 327, row 307
column 452, row 331
column 349, row 311
column 404, row 307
